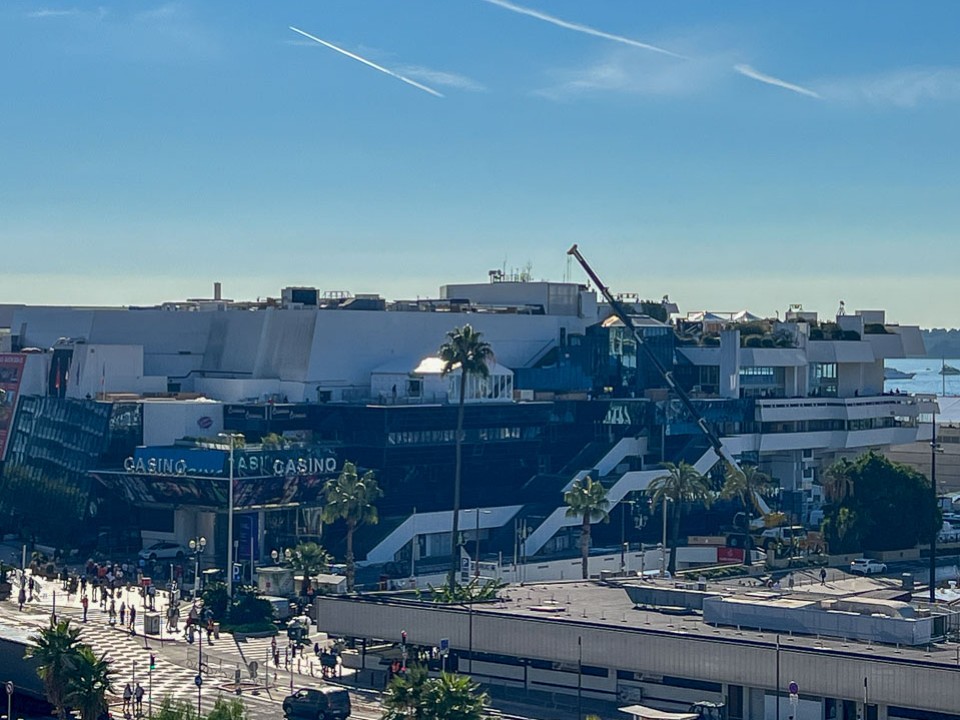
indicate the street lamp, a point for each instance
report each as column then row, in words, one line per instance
column 934, row 449
column 197, row 546
column 230, row 438
column 476, row 564
column 623, row 539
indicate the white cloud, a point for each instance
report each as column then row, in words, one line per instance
column 441, row 77
column 630, row 73
column 578, row 27
column 903, row 88
column 47, row 13
column 754, row 74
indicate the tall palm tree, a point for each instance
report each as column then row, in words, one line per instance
column 464, row 349
column 587, row 500
column 56, row 649
column 309, row 558
column 89, row 684
column 682, row 485
column 351, row 498
column 746, row 484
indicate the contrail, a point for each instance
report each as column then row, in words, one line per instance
column 577, row 27
column 753, row 74
column 367, row 62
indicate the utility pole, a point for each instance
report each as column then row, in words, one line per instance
column 933, row 492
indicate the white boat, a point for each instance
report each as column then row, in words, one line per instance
column 891, row 373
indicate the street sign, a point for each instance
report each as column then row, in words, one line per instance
column 237, row 572
column 9, row 686
column 793, row 688
column 444, row 646
column 198, row 681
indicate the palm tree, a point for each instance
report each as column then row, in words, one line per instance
column 455, row 697
column 404, row 696
column 56, row 649
column 837, row 481
column 466, row 350
column 747, row 483
column 586, row 499
column 417, row 696
column 681, row 485
column 309, row 558
column 89, row 684
column 351, row 498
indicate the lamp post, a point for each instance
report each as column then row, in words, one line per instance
column 197, row 546
column 623, row 538
column 934, row 449
column 476, row 549
column 663, row 546
column 230, row 438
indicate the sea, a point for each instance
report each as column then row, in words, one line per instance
column 929, row 380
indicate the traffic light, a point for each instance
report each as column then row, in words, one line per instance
column 403, row 637
column 153, row 661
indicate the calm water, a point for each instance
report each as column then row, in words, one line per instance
column 927, row 379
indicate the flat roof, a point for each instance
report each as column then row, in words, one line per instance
column 607, row 604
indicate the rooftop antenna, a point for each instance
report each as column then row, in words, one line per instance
column 842, row 310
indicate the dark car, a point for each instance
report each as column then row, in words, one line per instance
column 325, row 703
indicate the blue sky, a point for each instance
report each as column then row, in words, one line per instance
column 731, row 155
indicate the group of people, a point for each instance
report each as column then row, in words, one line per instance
column 133, row 699
column 199, row 619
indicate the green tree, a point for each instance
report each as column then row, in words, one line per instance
column 682, row 485
column 310, row 559
column 223, row 709
column 56, row 649
column 171, row 709
column 877, row 505
column 416, row 696
column 586, row 500
column 89, row 683
column 747, row 484
column 464, row 349
column 351, row 498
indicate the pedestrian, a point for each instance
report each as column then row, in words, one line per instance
column 790, row 582
column 84, row 602
column 127, row 697
column 210, row 630
column 83, row 584
column 30, row 585
column 133, row 619
column 112, row 614
column 22, row 597
column 123, row 613
column 823, row 576
column 139, row 696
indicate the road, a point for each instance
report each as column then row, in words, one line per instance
column 176, row 660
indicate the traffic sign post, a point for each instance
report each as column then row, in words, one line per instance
column 794, row 690
column 444, row 651
column 9, row 699
column 198, row 681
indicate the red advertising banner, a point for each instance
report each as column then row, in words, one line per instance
column 729, row 555
column 11, row 373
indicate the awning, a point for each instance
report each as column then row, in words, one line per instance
column 642, row 712
column 250, row 493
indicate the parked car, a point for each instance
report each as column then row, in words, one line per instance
column 325, row 703
column 164, row 550
column 866, row 566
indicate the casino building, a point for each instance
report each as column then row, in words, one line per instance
column 110, row 416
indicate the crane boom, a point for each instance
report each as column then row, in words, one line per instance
column 667, row 375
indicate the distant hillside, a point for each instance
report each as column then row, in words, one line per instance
column 942, row 343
